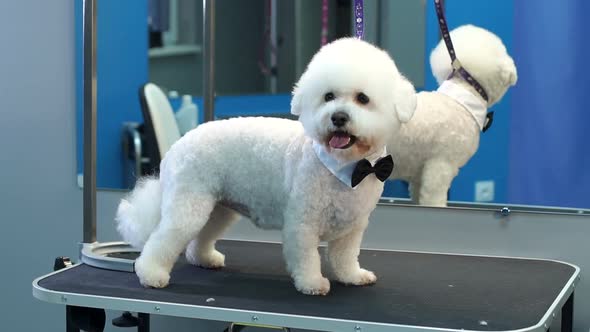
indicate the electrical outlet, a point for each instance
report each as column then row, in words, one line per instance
column 484, row 191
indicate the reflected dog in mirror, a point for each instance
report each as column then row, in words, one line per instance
column 444, row 132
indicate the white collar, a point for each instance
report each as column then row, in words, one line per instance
column 342, row 170
column 467, row 99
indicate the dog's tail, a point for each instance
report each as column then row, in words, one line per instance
column 139, row 213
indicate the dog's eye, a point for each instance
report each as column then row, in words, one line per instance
column 362, row 98
column 329, row 97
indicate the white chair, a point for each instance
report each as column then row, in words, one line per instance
column 161, row 129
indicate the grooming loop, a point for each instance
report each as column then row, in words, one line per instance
column 455, row 63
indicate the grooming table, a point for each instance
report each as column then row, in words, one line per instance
column 415, row 291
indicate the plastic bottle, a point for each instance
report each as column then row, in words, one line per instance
column 187, row 115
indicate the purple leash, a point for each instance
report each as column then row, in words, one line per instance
column 359, row 21
column 457, row 67
column 324, row 22
column 456, row 64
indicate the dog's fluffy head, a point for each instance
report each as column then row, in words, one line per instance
column 356, row 82
column 484, row 56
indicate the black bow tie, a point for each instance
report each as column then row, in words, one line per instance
column 382, row 170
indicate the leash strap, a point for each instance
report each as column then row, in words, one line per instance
column 456, row 64
column 325, row 9
column 359, row 21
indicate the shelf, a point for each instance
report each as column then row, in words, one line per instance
column 174, row 50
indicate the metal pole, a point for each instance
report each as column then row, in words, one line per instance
column 144, row 322
column 89, row 190
column 567, row 315
column 208, row 60
column 273, row 46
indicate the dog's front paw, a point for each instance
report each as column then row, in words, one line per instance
column 313, row 286
column 366, row 277
column 359, row 278
column 150, row 274
column 210, row 260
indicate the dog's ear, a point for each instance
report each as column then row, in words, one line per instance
column 405, row 100
column 296, row 101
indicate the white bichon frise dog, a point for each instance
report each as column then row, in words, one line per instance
column 282, row 174
column 444, row 132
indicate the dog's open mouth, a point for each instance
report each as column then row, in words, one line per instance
column 341, row 140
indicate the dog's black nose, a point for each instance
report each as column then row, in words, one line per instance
column 339, row 119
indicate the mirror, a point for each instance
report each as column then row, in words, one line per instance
column 534, row 154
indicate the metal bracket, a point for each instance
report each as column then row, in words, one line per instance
column 505, row 211
column 61, row 263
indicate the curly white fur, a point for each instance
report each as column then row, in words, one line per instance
column 266, row 169
column 442, row 135
column 142, row 204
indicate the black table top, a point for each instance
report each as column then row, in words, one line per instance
column 419, row 289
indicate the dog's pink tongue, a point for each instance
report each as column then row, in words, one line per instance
column 338, row 142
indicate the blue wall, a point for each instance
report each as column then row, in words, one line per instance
column 122, row 67
column 550, row 151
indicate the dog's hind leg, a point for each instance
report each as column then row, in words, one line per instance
column 437, row 176
column 184, row 214
column 201, row 250
column 414, row 187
